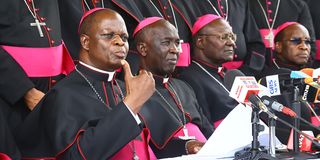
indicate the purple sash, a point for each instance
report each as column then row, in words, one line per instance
column 142, row 149
column 193, row 130
column 42, row 62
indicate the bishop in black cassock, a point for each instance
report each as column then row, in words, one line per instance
column 172, row 115
column 88, row 115
column 206, row 74
column 269, row 14
column 250, row 51
column 180, row 13
column 289, row 58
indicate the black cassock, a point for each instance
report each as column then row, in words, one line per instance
column 179, row 12
column 250, row 48
column 288, row 11
column 212, row 97
column 162, row 121
column 7, row 145
column 315, row 12
column 72, row 121
column 15, row 30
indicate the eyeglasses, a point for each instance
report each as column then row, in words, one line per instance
column 223, row 37
column 297, row 41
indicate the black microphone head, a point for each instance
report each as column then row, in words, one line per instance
column 254, row 99
column 230, row 76
column 273, row 71
column 283, row 77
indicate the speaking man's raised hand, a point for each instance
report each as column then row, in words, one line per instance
column 139, row 88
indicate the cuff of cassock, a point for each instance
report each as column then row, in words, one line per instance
column 135, row 116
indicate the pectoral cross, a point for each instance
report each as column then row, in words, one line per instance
column 135, row 157
column 186, row 134
column 270, row 38
column 38, row 25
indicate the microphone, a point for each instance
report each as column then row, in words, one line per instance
column 230, row 76
column 279, row 82
column 311, row 94
column 255, row 100
column 241, row 86
column 257, row 103
column 306, row 74
column 271, row 103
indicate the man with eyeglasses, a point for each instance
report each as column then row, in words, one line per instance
column 90, row 114
column 292, row 46
column 213, row 45
column 292, row 52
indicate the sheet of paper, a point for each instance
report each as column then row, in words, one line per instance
column 233, row 134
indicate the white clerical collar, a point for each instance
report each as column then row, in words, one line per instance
column 111, row 74
column 165, row 80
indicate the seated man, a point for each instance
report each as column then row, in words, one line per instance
column 172, row 115
column 213, row 45
column 292, row 46
column 292, row 51
column 88, row 115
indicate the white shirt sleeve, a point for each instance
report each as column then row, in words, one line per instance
column 135, row 116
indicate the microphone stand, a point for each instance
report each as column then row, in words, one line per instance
column 296, row 105
column 272, row 135
column 255, row 152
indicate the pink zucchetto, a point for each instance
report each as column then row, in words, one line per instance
column 283, row 26
column 87, row 14
column 203, row 21
column 144, row 23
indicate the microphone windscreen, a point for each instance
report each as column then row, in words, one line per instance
column 230, row 76
column 311, row 92
column 254, row 99
column 272, row 71
column 308, row 71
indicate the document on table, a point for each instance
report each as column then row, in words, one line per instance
column 233, row 134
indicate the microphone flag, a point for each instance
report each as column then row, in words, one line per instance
column 244, row 86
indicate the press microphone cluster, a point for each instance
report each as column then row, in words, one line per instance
column 255, row 100
column 248, row 93
column 285, row 79
column 273, row 104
